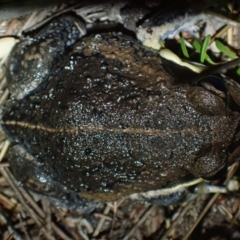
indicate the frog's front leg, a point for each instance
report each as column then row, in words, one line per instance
column 169, row 24
column 34, row 174
column 32, row 59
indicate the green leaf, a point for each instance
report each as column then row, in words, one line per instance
column 161, row 43
column 225, row 49
column 238, row 71
column 204, row 48
column 184, row 48
column 224, row 4
column 198, row 47
column 238, row 18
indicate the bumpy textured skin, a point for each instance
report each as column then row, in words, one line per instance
column 112, row 122
column 102, row 119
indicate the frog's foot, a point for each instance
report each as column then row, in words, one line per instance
column 37, row 56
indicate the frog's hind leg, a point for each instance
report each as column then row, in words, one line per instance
column 31, row 59
column 35, row 175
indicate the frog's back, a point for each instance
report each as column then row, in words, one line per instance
column 113, row 122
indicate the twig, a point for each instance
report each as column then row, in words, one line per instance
column 142, row 219
column 101, row 222
column 4, row 149
column 177, row 220
column 213, row 199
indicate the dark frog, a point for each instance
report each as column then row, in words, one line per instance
column 99, row 118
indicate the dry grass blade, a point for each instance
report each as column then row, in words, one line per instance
column 210, row 203
column 141, row 220
column 35, row 212
column 177, row 220
column 4, row 149
column 6, row 173
column 101, row 222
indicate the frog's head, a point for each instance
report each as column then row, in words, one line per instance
column 211, row 91
column 218, row 97
column 214, row 94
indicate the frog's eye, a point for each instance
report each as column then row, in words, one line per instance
column 209, row 96
column 214, row 84
column 233, row 89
